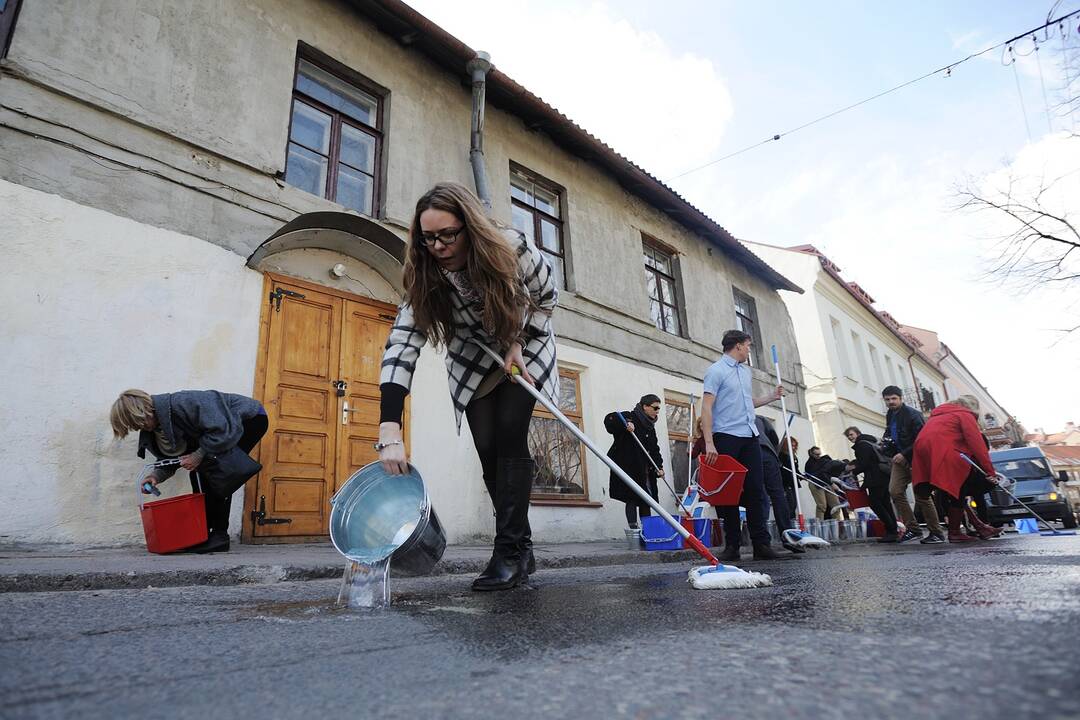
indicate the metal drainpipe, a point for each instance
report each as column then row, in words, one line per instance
column 915, row 380
column 478, row 67
column 945, row 385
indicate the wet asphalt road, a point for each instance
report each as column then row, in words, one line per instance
column 850, row 632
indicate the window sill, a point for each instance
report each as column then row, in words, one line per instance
column 564, row 502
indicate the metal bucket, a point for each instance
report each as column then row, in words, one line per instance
column 375, row 514
column 633, row 538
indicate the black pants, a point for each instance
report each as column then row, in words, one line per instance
column 632, row 510
column 499, row 423
column 881, row 504
column 747, row 451
column 217, row 506
column 775, row 492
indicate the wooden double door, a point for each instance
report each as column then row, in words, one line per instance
column 320, row 353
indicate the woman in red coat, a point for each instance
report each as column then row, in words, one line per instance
column 953, row 428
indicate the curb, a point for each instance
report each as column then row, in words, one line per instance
column 269, row 574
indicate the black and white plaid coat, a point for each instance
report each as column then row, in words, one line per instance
column 467, row 364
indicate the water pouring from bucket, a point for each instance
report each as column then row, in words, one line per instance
column 379, row 521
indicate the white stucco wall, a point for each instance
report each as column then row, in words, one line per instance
column 97, row 304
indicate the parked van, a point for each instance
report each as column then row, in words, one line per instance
column 1034, row 484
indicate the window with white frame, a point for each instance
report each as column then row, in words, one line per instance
column 856, row 343
column 841, row 347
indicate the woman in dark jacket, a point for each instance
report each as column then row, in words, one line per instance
column 875, row 481
column 641, row 421
column 210, row 432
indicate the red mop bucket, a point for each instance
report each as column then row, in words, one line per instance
column 857, row 499
column 173, row 523
column 720, row 483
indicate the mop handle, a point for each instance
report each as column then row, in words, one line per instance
column 659, row 474
column 787, row 435
column 821, row 485
column 1008, row 492
column 619, row 472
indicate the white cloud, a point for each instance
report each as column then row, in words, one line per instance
column 619, row 82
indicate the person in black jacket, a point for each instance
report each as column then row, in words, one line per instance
column 641, row 421
column 775, row 476
column 210, row 432
column 875, row 480
column 902, row 426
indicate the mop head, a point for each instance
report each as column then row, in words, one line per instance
column 803, row 539
column 725, row 577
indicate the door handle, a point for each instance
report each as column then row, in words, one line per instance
column 345, row 413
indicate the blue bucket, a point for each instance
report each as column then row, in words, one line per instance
column 1026, row 526
column 658, row 535
column 375, row 514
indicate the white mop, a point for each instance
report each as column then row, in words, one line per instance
column 793, row 536
column 713, row 577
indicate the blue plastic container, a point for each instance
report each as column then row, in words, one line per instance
column 1026, row 526
column 658, row 535
column 702, row 530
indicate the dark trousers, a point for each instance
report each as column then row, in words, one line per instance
column 748, row 452
column 217, row 506
column 632, row 510
column 775, row 492
column 499, row 423
column 881, row 504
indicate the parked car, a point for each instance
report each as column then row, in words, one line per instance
column 1034, row 483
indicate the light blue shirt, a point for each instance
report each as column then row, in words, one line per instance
column 733, row 408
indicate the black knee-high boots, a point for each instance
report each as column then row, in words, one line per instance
column 510, row 559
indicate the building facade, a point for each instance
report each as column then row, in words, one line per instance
column 217, row 195
column 1001, row 428
column 849, row 350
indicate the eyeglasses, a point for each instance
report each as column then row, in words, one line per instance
column 655, row 407
column 447, row 236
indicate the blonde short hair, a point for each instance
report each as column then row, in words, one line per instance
column 969, row 401
column 130, row 412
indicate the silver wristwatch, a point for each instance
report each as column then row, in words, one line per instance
column 380, row 445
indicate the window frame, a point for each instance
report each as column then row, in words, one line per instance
column 8, row 17
column 537, row 215
column 307, row 53
column 578, row 418
column 677, row 435
column 649, row 243
column 757, row 359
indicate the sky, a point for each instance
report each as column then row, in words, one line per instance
column 674, row 85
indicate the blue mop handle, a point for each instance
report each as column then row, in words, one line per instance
column 775, row 357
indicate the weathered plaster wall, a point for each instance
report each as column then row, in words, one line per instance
column 100, row 304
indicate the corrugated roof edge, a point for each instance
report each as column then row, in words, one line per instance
column 410, row 28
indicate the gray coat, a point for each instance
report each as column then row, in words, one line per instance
column 210, row 420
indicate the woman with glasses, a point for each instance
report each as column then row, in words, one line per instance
column 469, row 282
column 641, row 421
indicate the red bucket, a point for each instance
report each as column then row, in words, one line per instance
column 174, row 523
column 857, row 499
column 720, row 483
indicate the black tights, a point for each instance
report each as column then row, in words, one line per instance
column 499, row 422
column 632, row 513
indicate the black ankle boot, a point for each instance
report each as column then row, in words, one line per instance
column 730, row 554
column 217, row 542
column 764, row 552
column 507, row 567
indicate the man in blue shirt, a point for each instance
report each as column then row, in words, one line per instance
column 727, row 422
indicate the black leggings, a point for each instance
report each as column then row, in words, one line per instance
column 632, row 509
column 499, row 423
column 217, row 507
column 881, row 504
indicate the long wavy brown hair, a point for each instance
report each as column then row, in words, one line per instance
column 491, row 268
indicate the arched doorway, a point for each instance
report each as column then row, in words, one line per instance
column 332, row 283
